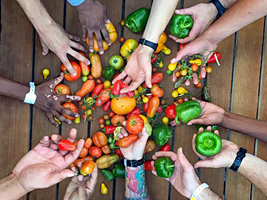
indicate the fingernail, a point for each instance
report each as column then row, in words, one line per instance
column 80, row 178
column 69, row 122
column 70, row 175
column 74, row 73
column 173, row 60
column 101, row 52
column 189, row 124
column 77, row 115
column 91, row 50
column 177, row 11
column 109, row 44
column 88, row 62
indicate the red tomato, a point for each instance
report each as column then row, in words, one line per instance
column 117, row 120
column 106, row 149
column 135, row 124
column 199, row 85
column 156, row 90
column 67, row 75
column 62, row 89
column 95, row 152
column 90, row 77
column 171, row 111
column 101, row 120
column 87, row 167
column 180, row 100
column 100, row 139
column 81, row 105
column 99, row 81
column 72, row 107
column 111, row 114
column 194, row 67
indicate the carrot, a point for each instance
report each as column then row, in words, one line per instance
column 87, row 87
column 85, row 68
column 96, row 69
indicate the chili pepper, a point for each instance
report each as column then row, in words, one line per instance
column 153, row 106
column 213, row 127
column 106, row 106
column 136, row 111
column 170, row 111
column 119, row 171
column 106, row 161
column 181, row 25
column 109, row 129
column 161, row 134
column 107, row 174
column 103, row 97
column 165, row 147
column 104, row 189
column 136, row 21
column 108, row 73
column 150, row 146
column 161, row 42
column 127, row 141
column 145, row 107
column 164, row 167
column 97, row 90
column 118, row 151
column 116, row 88
column 208, row 143
column 187, row 111
column 154, row 58
column 212, row 59
column 181, row 46
column 148, row 165
column 66, row 145
column 155, row 79
column 86, row 88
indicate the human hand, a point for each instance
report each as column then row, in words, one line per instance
column 210, row 115
column 57, row 40
column 45, row 165
column 93, row 17
column 203, row 14
column 184, row 178
column 138, row 69
column 49, row 101
column 136, row 150
column 81, row 188
column 224, row 158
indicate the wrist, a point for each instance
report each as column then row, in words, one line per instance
column 145, row 49
column 85, row 3
column 23, row 90
column 224, row 119
column 213, row 11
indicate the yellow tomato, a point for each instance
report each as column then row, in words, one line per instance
column 145, row 99
column 183, row 72
column 161, row 64
column 172, row 66
column 209, row 69
column 88, row 112
column 182, row 90
column 77, row 120
column 123, row 105
column 107, row 84
column 46, row 73
column 165, row 120
column 174, row 93
column 166, row 50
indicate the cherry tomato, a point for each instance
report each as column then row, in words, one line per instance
column 106, row 117
column 122, row 39
column 87, row 167
column 117, row 120
column 88, row 112
column 183, row 72
column 99, row 81
column 111, row 114
column 101, row 120
column 72, row 107
column 67, row 75
column 194, row 67
column 107, row 84
column 102, row 126
column 106, row 149
column 163, row 102
column 122, row 22
column 174, row 93
column 160, row 109
column 90, row 77
column 165, row 120
column 199, row 85
column 208, row 69
column 135, row 124
column 81, row 105
column 177, row 74
column 84, row 152
column 171, row 111
column 88, row 143
column 62, row 89
column 180, row 100
column 108, row 122
column 95, row 152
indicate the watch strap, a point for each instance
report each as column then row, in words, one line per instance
column 150, row 44
column 198, row 191
column 241, row 154
column 30, row 97
column 219, row 7
column 133, row 163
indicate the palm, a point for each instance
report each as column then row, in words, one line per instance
column 134, row 150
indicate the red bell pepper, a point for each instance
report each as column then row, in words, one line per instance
column 118, row 151
column 106, row 106
column 116, row 88
column 154, row 58
column 166, row 147
column 66, row 145
column 136, row 111
column 109, row 129
column 148, row 165
column 212, row 58
column 97, row 89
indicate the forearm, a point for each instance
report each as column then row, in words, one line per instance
column 254, row 169
column 13, row 89
column 135, row 184
column 10, row 188
column 238, row 16
column 208, row 194
column 252, row 127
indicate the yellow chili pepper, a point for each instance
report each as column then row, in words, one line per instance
column 196, row 61
column 172, row 66
column 104, row 189
column 166, row 50
column 57, row 120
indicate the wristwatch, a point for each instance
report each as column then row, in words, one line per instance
column 219, row 7
column 150, row 44
column 241, row 154
column 133, row 163
column 30, row 97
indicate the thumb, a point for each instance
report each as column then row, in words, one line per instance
column 183, row 160
column 60, row 176
column 144, row 136
column 182, row 53
column 195, row 121
column 45, row 48
column 148, row 76
column 204, row 163
column 185, row 11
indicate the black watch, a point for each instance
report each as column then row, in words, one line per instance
column 219, row 7
column 150, row 44
column 133, row 163
column 238, row 160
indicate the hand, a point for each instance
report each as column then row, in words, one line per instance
column 49, row 101
column 45, row 165
column 57, row 40
column 93, row 17
column 138, row 69
column 203, row 14
column 184, row 178
column 81, row 187
column 136, row 150
column 224, row 158
column 210, row 115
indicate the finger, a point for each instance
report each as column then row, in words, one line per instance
column 72, row 156
column 68, row 98
column 194, row 147
column 106, row 35
column 144, row 136
column 84, row 33
column 57, row 80
column 45, row 141
column 200, row 130
column 67, row 64
column 124, row 132
column 183, row 160
column 209, row 128
column 54, row 146
column 196, row 121
column 131, row 87
column 55, row 138
column 148, row 73
column 59, row 176
column 60, row 117
column 45, row 48
column 217, row 132
column 99, row 42
column 121, row 76
column 184, row 11
column 78, row 56
column 154, row 172
column 90, row 40
column 65, row 111
column 127, row 80
column 90, row 184
column 51, row 119
column 77, row 46
column 169, row 154
column 119, row 136
column 182, row 53
column 74, row 38
column 81, row 191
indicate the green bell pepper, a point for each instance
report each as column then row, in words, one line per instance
column 161, row 134
column 107, row 174
column 213, row 127
column 108, row 73
column 187, row 111
column 136, row 21
column 164, row 167
column 208, row 143
column 181, row 25
column 119, row 171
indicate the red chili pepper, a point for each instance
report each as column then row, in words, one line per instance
column 212, row 58
column 66, row 145
column 97, row 89
column 159, row 110
column 109, row 129
column 154, row 58
column 118, row 151
column 117, row 88
column 136, row 111
column 145, row 107
column 107, row 106
column 166, row 147
column 148, row 165
column 181, row 46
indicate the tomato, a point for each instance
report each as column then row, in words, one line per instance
column 87, row 167
column 127, row 141
column 72, row 107
column 150, row 146
column 153, row 106
column 123, row 105
column 145, row 100
column 156, row 90
column 106, row 149
column 107, row 84
column 171, row 111
column 155, row 79
column 90, row 77
column 174, row 93
column 160, row 109
column 208, row 69
column 67, row 75
column 103, row 97
column 199, row 85
column 88, row 112
column 194, row 67
column 111, row 114
column 122, row 39
column 165, row 120
column 100, row 139
column 88, row 143
column 182, row 90
column 81, row 105
column 101, row 120
column 86, row 88
column 108, row 122
column 117, row 120
column 183, row 72
column 177, row 74
column 106, row 106
column 102, row 126
column 172, row 66
column 145, row 107
column 180, row 100
column 106, row 117
column 62, row 89
column 95, row 152
column 181, row 46
column 128, row 48
column 135, row 124
column 84, row 152
column 116, row 62
column 99, row 81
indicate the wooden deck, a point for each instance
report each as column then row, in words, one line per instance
column 239, row 85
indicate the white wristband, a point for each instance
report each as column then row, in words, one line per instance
column 30, row 97
column 198, row 191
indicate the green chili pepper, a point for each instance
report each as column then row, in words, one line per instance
column 107, row 174
column 108, row 73
column 161, row 134
column 181, row 25
column 119, row 171
column 208, row 143
column 187, row 111
column 213, row 127
column 136, row 21
column 164, row 167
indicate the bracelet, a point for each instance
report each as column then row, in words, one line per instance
column 219, row 7
column 241, row 154
column 30, row 97
column 198, row 191
column 150, row 44
column 133, row 163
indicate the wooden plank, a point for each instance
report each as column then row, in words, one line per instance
column 16, row 64
column 245, row 97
